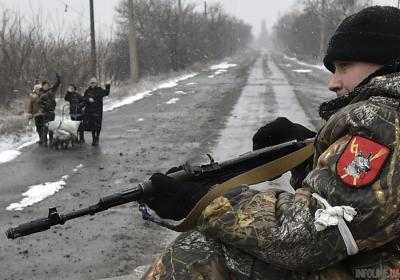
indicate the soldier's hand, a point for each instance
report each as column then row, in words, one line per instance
column 280, row 131
column 91, row 100
column 173, row 199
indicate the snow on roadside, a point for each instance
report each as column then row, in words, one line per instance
column 302, row 70
column 8, row 155
column 114, row 104
column 11, row 146
column 220, row 68
column 37, row 193
column 126, row 101
column 223, row 65
column 317, row 66
column 172, row 100
column 174, row 82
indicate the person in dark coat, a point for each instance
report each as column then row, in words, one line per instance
column 76, row 105
column 47, row 106
column 93, row 116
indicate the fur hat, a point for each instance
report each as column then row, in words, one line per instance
column 371, row 35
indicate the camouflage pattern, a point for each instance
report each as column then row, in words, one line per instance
column 271, row 235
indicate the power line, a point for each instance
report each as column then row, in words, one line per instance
column 110, row 27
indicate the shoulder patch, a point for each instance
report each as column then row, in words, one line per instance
column 361, row 162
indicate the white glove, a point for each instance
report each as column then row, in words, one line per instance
column 91, row 100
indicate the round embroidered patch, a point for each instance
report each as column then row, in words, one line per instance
column 361, row 161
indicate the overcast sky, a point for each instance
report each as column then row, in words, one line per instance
column 65, row 12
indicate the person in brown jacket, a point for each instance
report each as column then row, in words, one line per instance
column 41, row 107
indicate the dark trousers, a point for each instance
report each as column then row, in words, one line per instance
column 41, row 129
column 92, row 122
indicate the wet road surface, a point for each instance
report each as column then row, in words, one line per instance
column 218, row 115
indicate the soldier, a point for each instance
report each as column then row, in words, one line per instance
column 247, row 234
column 76, row 105
column 94, row 108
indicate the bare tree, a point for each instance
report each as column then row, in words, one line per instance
column 305, row 32
column 172, row 36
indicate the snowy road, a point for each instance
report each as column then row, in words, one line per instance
column 217, row 110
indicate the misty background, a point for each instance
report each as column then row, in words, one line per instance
column 41, row 37
column 69, row 11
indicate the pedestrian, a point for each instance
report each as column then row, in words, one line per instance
column 41, row 107
column 93, row 116
column 76, row 107
column 33, row 107
column 249, row 234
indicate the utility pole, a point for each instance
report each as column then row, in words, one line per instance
column 133, row 52
column 93, row 70
column 205, row 8
column 322, row 38
column 179, row 29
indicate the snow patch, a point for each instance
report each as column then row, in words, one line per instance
column 317, row 66
column 220, row 71
column 172, row 100
column 126, row 101
column 174, row 82
column 223, row 65
column 221, row 68
column 37, row 193
column 163, row 85
column 191, row 84
column 140, row 120
column 76, row 169
column 302, row 70
column 180, row 92
column 11, row 145
column 8, row 155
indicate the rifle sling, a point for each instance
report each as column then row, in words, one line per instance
column 255, row 176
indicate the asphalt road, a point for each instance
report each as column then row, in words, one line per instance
column 215, row 114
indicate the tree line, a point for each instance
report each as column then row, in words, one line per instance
column 172, row 36
column 169, row 38
column 305, row 31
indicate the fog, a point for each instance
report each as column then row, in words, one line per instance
column 66, row 12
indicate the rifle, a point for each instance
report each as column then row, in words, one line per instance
column 206, row 175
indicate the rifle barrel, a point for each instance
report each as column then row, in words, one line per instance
column 208, row 175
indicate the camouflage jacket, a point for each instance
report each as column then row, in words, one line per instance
column 248, row 234
column 277, row 229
